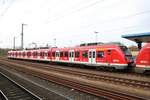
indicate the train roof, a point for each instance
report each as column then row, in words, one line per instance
column 105, row 45
column 138, row 37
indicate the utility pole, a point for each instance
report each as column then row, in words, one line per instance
column 95, row 36
column 22, row 37
column 55, row 42
column 14, row 44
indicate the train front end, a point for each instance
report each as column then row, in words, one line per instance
column 128, row 57
column 143, row 60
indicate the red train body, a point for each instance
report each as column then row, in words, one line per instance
column 107, row 55
column 143, row 59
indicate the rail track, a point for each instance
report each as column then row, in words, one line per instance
column 10, row 90
column 105, row 93
column 92, row 76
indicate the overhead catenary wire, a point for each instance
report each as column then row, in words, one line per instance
column 101, row 22
column 5, row 11
column 76, row 10
column 116, row 19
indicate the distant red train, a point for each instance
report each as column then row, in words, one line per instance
column 109, row 56
column 143, row 60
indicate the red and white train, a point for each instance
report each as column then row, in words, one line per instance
column 110, row 56
column 143, row 60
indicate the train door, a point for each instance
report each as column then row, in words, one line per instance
column 57, row 55
column 92, row 55
column 38, row 54
column 109, row 57
column 71, row 55
column 45, row 54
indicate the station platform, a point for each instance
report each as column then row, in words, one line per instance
column 139, row 38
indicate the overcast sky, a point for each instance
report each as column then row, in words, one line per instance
column 71, row 22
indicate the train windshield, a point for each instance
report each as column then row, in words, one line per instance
column 127, row 52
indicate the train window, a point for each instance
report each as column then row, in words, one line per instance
column 29, row 53
column 53, row 54
column 24, row 54
column 45, row 54
column 61, row 54
column 41, row 53
column 16, row 54
column 77, row 54
column 66, row 54
column 38, row 53
column 109, row 52
column 57, row 54
column 84, row 54
column 90, row 54
column 35, row 54
column 19, row 53
column 100, row 54
column 72, row 54
column 93, row 54
column 32, row 54
column 49, row 54
column 125, row 50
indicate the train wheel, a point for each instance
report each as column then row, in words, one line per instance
column 112, row 69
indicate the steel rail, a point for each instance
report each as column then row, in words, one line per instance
column 93, row 76
column 105, row 93
column 13, row 90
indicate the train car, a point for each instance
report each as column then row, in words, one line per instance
column 143, row 60
column 110, row 56
column 9, row 54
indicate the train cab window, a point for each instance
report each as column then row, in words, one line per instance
column 61, row 54
column 85, row 54
column 66, row 54
column 100, row 54
column 77, row 54
column 53, row 54
column 109, row 52
column 125, row 50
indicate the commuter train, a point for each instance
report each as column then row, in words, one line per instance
column 143, row 60
column 109, row 56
